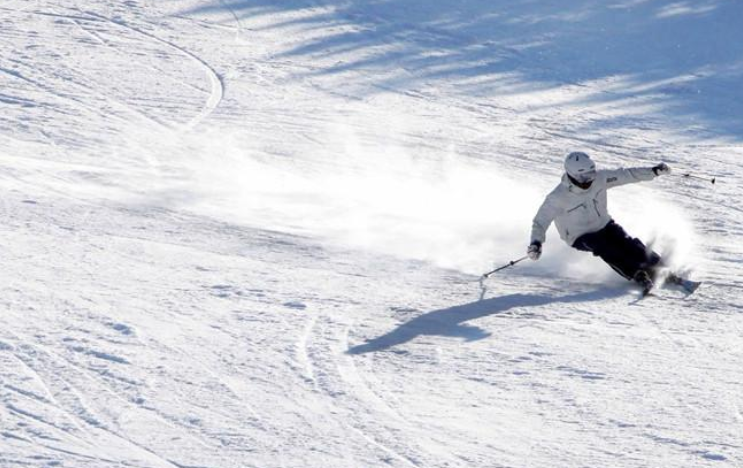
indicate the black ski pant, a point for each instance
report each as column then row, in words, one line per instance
column 625, row 254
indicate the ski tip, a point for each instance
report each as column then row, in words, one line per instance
column 692, row 286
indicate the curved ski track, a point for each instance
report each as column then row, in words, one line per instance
column 216, row 86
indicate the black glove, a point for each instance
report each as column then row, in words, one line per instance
column 661, row 169
column 535, row 250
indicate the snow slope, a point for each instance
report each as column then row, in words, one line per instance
column 248, row 234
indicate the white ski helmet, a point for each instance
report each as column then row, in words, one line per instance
column 580, row 169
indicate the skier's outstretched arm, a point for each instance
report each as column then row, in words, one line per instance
column 542, row 221
column 618, row 177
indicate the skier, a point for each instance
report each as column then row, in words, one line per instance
column 578, row 206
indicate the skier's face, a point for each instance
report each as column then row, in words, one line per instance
column 584, row 179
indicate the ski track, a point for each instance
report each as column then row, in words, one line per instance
column 82, row 410
column 82, row 413
column 80, row 101
column 235, row 17
column 216, row 87
column 302, row 354
column 76, row 101
column 86, row 91
column 216, row 92
column 345, row 392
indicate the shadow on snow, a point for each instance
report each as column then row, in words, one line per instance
column 452, row 322
column 680, row 55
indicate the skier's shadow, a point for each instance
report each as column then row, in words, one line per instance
column 452, row 321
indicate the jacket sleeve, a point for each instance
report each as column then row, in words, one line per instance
column 617, row 177
column 542, row 221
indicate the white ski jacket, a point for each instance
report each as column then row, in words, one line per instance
column 576, row 211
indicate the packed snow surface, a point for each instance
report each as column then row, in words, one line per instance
column 244, row 234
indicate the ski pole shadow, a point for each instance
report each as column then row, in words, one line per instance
column 452, row 322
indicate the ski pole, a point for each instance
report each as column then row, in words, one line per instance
column 692, row 176
column 508, row 265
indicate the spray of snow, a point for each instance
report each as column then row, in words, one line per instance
column 362, row 190
column 663, row 225
column 358, row 191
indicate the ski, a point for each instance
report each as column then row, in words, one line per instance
column 688, row 286
column 671, row 281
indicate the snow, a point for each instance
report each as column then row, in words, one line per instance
column 248, row 234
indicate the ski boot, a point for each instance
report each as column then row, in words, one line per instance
column 643, row 279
